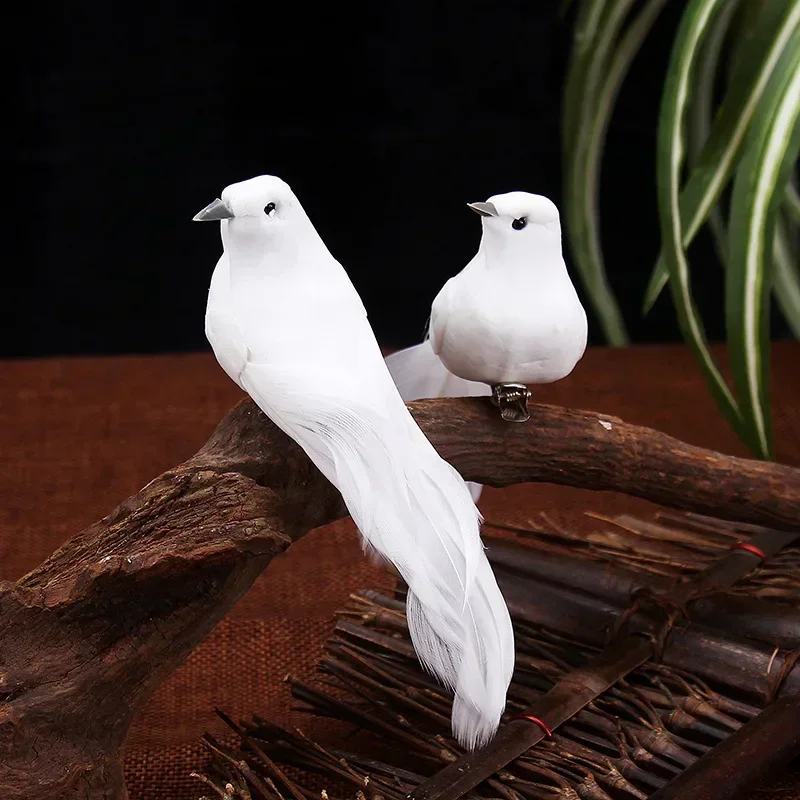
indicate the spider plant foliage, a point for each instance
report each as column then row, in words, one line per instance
column 728, row 141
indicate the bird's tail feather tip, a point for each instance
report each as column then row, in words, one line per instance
column 472, row 727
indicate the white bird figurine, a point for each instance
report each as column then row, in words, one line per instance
column 510, row 319
column 287, row 325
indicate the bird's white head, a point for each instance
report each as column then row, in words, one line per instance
column 517, row 212
column 262, row 219
column 265, row 199
column 519, row 224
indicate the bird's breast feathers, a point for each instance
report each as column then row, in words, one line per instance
column 495, row 336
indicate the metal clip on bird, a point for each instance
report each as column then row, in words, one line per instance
column 512, row 400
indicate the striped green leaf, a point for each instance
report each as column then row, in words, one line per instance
column 589, row 15
column 702, row 106
column 790, row 219
column 744, row 30
column 769, row 153
column 793, row 203
column 597, row 30
column 786, row 278
column 717, row 161
column 587, row 206
column 695, row 25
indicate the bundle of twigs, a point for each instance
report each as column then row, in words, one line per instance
column 626, row 554
column 653, row 721
column 671, row 546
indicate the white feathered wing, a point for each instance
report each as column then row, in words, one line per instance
column 418, row 373
column 410, row 505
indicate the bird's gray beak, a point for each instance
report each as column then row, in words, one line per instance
column 213, row 212
column 484, row 209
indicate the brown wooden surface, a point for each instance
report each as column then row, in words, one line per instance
column 80, row 434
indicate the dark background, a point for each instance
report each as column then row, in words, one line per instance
column 385, row 117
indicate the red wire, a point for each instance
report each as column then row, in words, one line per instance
column 535, row 721
column 750, row 548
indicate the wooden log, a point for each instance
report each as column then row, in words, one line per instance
column 88, row 636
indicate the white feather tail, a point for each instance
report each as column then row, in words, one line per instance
column 413, row 508
column 419, row 373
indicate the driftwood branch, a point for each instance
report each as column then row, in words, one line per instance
column 594, row 451
column 88, row 636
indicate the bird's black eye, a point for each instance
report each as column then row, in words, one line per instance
column 269, row 208
column 519, row 224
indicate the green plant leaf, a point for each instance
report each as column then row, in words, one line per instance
column 743, row 31
column 751, row 75
column 701, row 110
column 586, row 77
column 790, row 219
column 583, row 204
column 564, row 7
column 695, row 24
column 786, row 278
column 588, row 18
column 793, row 203
column 769, row 153
column 587, row 206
